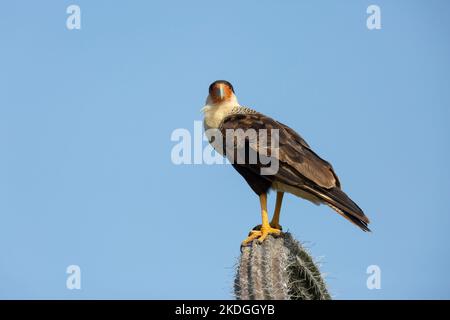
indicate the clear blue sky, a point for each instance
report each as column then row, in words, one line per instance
column 86, row 116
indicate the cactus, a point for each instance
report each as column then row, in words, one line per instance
column 278, row 269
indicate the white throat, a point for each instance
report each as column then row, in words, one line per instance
column 215, row 113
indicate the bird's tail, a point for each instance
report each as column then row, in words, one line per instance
column 342, row 204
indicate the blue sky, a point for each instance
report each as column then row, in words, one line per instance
column 86, row 116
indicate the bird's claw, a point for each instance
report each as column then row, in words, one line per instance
column 273, row 225
column 261, row 234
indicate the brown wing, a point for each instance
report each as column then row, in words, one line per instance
column 294, row 135
column 299, row 166
column 294, row 154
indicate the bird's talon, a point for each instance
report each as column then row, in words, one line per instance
column 261, row 234
column 251, row 236
column 276, row 226
column 273, row 225
column 266, row 232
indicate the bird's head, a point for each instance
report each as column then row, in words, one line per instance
column 220, row 92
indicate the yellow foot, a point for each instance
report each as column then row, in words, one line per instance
column 276, row 226
column 260, row 234
column 273, row 225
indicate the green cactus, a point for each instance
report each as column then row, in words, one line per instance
column 278, row 269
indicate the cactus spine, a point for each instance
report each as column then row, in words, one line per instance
column 278, row 269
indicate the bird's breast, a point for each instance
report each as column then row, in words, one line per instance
column 213, row 117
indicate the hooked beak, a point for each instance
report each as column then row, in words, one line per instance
column 220, row 92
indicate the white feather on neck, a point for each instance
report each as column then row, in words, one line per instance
column 215, row 113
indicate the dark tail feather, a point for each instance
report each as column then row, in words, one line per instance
column 360, row 223
column 342, row 204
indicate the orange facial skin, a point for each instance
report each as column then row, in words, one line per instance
column 220, row 91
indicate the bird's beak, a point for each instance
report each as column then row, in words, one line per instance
column 220, row 92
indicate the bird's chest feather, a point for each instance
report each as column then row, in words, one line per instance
column 214, row 116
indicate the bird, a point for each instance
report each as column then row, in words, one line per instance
column 300, row 170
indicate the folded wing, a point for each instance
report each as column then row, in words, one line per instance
column 298, row 165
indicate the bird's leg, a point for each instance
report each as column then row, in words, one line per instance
column 266, row 229
column 275, row 223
